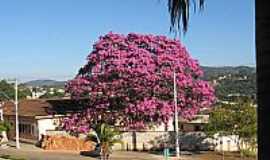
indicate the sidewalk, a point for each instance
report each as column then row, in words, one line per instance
column 30, row 152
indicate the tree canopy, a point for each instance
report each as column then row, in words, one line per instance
column 234, row 119
column 129, row 79
column 7, row 91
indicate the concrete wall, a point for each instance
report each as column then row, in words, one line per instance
column 229, row 143
column 155, row 140
column 46, row 124
column 226, row 143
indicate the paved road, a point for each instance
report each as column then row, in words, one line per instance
column 30, row 152
column 75, row 156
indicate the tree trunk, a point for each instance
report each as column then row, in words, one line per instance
column 105, row 151
column 263, row 77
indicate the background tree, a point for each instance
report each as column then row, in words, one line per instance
column 131, row 78
column 4, row 126
column 7, row 91
column 235, row 119
column 55, row 94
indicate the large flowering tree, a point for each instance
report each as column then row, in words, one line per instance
column 129, row 79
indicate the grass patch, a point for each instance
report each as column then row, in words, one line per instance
column 248, row 153
column 10, row 158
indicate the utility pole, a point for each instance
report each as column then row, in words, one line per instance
column 177, row 148
column 16, row 115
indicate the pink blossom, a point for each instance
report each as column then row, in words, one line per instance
column 132, row 75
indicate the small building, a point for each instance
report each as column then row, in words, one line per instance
column 195, row 125
column 36, row 116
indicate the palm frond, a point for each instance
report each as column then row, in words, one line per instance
column 179, row 13
column 115, row 141
column 105, row 133
column 91, row 136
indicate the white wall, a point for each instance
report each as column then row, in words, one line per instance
column 189, row 141
column 162, row 126
column 46, row 124
column 226, row 143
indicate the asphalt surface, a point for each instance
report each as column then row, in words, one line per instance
column 30, row 152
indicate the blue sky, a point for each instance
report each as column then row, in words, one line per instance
column 51, row 39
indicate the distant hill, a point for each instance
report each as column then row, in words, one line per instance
column 214, row 72
column 42, row 83
column 229, row 80
column 232, row 80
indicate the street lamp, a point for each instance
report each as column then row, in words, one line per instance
column 16, row 110
column 177, row 148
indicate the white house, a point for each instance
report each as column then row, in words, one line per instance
column 37, row 116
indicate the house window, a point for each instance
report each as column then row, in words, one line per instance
column 182, row 127
column 26, row 128
column 197, row 128
column 32, row 129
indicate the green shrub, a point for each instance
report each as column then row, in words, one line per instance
column 248, row 153
column 8, row 157
column 4, row 126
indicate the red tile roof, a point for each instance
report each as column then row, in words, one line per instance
column 42, row 107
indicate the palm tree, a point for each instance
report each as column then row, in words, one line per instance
column 106, row 137
column 179, row 13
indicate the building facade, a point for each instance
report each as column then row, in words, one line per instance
column 39, row 117
column 36, row 116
